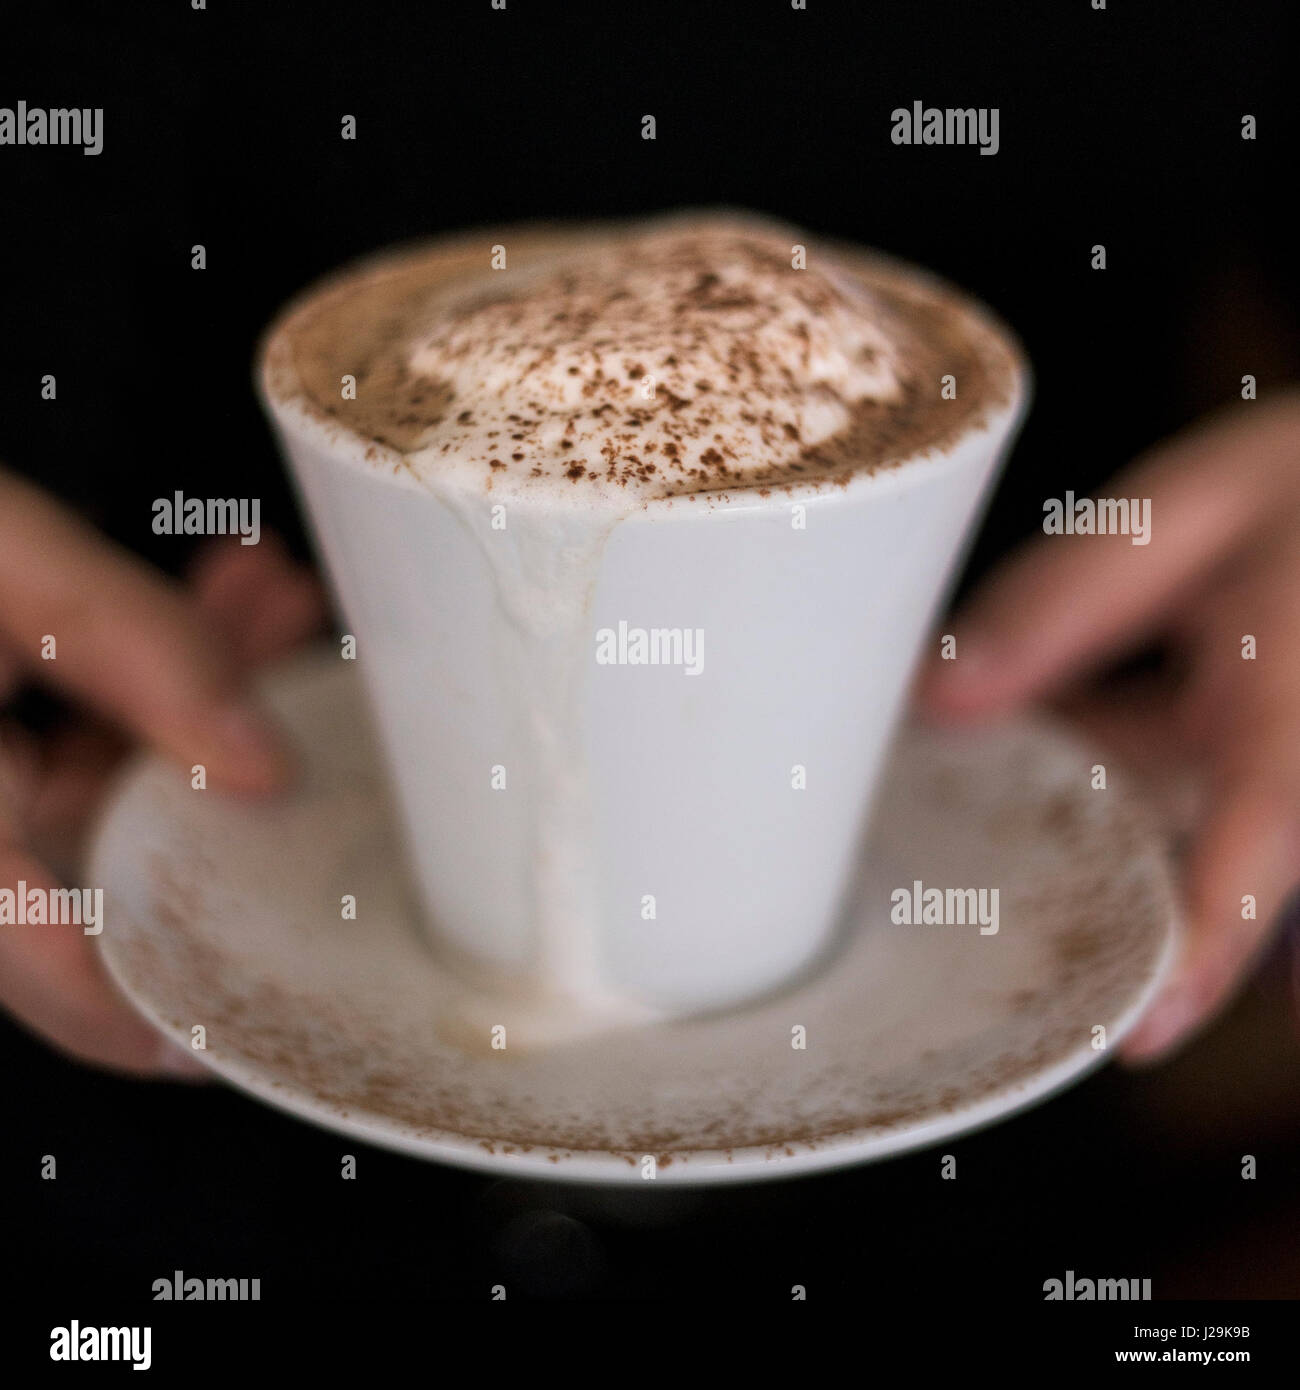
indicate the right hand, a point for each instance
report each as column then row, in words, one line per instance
column 1223, row 563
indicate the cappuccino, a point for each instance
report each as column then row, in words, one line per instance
column 527, row 452
column 671, row 358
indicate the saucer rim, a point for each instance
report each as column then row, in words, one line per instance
column 689, row 1167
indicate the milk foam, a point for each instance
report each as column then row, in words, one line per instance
column 680, row 356
column 687, row 352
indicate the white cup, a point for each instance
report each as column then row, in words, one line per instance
column 637, row 833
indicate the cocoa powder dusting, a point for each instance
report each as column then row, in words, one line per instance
column 627, row 314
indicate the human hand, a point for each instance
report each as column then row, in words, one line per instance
column 147, row 660
column 1223, row 562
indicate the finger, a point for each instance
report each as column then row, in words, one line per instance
column 128, row 642
column 1248, row 713
column 1136, row 720
column 1066, row 604
column 77, row 764
column 1232, row 700
column 1242, row 867
column 1140, row 726
column 11, row 673
column 20, row 768
column 263, row 601
column 51, row 980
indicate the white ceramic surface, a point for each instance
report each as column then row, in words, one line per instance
column 651, row 783
column 228, row 917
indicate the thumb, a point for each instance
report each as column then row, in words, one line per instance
column 52, row 980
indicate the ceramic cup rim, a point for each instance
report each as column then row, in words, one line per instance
column 282, row 396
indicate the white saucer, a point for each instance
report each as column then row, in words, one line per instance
column 227, row 916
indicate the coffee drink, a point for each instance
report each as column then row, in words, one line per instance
column 638, row 527
column 681, row 356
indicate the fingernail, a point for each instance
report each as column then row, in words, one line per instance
column 974, row 653
column 972, row 656
column 954, row 687
column 180, row 1064
column 1169, row 1017
column 245, row 731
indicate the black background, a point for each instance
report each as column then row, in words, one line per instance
column 222, row 127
